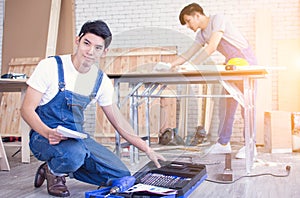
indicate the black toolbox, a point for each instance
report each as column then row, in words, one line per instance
column 180, row 176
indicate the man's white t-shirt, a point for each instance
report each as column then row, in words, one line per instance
column 45, row 80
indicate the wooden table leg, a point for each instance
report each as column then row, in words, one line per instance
column 24, row 128
column 4, row 165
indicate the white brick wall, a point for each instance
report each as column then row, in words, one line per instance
column 151, row 23
column 137, row 23
column 131, row 17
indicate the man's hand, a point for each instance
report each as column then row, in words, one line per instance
column 153, row 156
column 54, row 137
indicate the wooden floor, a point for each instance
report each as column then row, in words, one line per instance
column 18, row 182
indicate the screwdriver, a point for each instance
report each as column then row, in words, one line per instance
column 121, row 185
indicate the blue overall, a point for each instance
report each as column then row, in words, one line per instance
column 229, row 105
column 85, row 160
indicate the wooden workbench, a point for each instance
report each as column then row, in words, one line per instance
column 200, row 75
column 12, row 85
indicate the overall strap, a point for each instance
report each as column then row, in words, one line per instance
column 61, row 80
column 97, row 85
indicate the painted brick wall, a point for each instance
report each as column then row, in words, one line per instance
column 137, row 23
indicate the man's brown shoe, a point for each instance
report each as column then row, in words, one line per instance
column 40, row 175
column 56, row 185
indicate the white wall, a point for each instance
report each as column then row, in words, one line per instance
column 136, row 23
column 155, row 22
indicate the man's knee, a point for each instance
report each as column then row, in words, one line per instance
column 68, row 163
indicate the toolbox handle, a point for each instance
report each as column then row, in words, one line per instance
column 176, row 166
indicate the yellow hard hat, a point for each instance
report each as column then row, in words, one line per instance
column 238, row 62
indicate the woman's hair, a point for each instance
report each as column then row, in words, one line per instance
column 98, row 28
column 190, row 10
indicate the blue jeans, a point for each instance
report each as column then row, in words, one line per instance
column 227, row 110
column 228, row 106
column 74, row 157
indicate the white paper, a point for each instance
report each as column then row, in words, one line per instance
column 151, row 189
column 70, row 133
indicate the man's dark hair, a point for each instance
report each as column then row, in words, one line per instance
column 98, row 28
column 190, row 10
